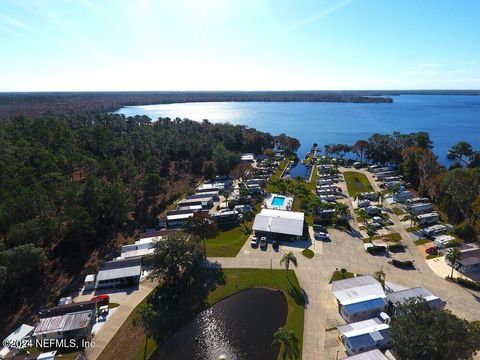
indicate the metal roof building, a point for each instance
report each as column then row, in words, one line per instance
column 365, row 335
column 119, row 272
column 279, row 222
column 63, row 323
column 401, row 296
column 359, row 298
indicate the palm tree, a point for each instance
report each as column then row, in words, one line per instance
column 371, row 231
column 380, row 197
column 286, row 339
column 380, row 277
column 341, row 210
column 453, row 256
column 287, row 259
column 412, row 217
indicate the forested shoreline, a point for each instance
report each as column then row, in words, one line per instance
column 72, row 187
column 36, row 104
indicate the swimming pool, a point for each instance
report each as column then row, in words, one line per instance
column 278, row 201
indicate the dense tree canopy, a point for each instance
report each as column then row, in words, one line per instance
column 421, row 333
column 70, row 184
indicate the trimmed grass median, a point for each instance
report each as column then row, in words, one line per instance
column 357, row 183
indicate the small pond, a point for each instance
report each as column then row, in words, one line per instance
column 240, row 327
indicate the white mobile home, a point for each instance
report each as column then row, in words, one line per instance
column 434, row 230
column 399, row 297
column 373, row 210
column 279, row 224
column 429, row 218
column 442, row 241
column 402, row 196
column 328, row 198
column 17, row 340
column 359, row 298
column 366, row 335
column 118, row 273
column 416, row 200
column 421, row 208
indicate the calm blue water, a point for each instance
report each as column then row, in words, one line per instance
column 278, row 201
column 448, row 119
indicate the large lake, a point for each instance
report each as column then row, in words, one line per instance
column 447, row 118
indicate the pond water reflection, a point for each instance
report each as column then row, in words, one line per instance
column 240, row 327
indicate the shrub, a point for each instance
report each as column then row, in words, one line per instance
column 453, row 243
column 469, row 284
column 308, row 253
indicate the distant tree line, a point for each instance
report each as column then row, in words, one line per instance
column 34, row 104
column 70, row 184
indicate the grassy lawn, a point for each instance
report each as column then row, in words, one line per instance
column 397, row 211
column 313, row 183
column 356, row 183
column 431, row 256
column 308, row 253
column 422, row 241
column 413, row 228
column 227, row 243
column 395, row 237
column 337, row 275
column 129, row 341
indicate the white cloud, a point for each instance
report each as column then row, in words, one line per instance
column 320, row 15
column 434, row 65
column 14, row 22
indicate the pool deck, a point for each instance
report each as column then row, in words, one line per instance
column 286, row 204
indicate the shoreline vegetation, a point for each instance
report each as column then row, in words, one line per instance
column 40, row 103
column 34, row 104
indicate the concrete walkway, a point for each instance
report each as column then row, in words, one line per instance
column 128, row 302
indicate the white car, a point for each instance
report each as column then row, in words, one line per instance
column 254, row 241
column 321, row 235
column 263, row 242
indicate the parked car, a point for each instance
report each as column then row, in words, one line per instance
column 254, row 241
column 101, row 300
column 432, row 250
column 319, row 235
column 263, row 242
column 275, row 244
column 65, row 300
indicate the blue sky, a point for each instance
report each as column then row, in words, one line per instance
column 48, row 45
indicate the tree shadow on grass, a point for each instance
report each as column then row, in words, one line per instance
column 298, row 294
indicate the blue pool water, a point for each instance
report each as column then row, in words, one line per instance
column 278, row 201
column 448, row 119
